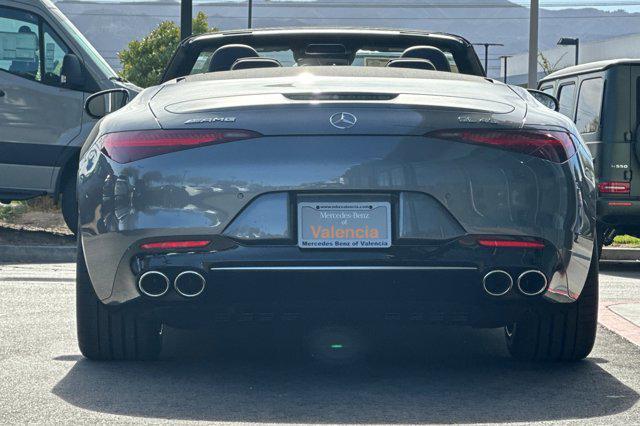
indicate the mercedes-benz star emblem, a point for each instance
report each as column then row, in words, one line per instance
column 343, row 120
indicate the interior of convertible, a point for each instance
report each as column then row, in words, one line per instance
column 354, row 48
column 242, row 56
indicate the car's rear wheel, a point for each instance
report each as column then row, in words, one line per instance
column 104, row 334
column 565, row 335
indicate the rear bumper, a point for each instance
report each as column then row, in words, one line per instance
column 416, row 284
column 622, row 213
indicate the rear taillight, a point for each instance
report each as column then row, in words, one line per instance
column 125, row 147
column 553, row 146
column 511, row 244
column 168, row 245
column 614, row 187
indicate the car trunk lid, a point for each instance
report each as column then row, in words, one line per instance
column 306, row 104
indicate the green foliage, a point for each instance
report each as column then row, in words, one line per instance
column 547, row 66
column 9, row 211
column 144, row 61
column 626, row 240
column 6, row 212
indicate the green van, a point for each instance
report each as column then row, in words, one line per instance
column 603, row 99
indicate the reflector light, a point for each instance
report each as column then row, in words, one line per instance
column 511, row 244
column 164, row 245
column 620, row 203
column 614, row 187
column 124, row 147
column 553, row 146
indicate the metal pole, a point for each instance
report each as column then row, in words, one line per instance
column 486, row 58
column 533, row 44
column 486, row 54
column 505, row 68
column 186, row 18
column 250, row 14
column 577, row 51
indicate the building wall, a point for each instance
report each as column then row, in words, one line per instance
column 564, row 56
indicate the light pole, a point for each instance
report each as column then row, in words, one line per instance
column 533, row 44
column 486, row 54
column 186, row 18
column 504, row 59
column 569, row 41
column 250, row 14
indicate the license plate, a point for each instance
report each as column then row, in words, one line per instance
column 344, row 225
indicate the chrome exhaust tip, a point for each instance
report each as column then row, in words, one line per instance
column 154, row 284
column 497, row 283
column 189, row 284
column 532, row 283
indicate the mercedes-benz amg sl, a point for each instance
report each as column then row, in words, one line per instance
column 334, row 176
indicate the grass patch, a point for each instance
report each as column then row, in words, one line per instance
column 41, row 204
column 626, row 240
column 8, row 212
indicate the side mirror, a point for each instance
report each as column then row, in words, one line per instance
column 102, row 103
column 71, row 75
column 545, row 99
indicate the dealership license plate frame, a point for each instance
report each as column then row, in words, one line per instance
column 379, row 218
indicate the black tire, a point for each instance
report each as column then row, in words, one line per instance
column 564, row 335
column 601, row 230
column 105, row 335
column 70, row 203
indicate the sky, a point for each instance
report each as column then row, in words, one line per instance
column 609, row 5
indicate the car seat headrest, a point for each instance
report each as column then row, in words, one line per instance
column 415, row 63
column 247, row 63
column 430, row 53
column 224, row 57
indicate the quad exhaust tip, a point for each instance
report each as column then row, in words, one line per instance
column 497, row 283
column 532, row 283
column 189, row 284
column 154, row 284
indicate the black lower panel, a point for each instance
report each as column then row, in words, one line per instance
column 35, row 154
column 340, row 286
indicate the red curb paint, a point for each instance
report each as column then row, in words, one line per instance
column 618, row 324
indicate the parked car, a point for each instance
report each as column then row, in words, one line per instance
column 603, row 99
column 47, row 70
column 413, row 193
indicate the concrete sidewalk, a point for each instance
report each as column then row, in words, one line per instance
column 621, row 318
column 618, row 254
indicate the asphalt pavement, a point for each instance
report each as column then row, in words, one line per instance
column 445, row 375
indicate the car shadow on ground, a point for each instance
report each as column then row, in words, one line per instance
column 443, row 375
column 621, row 269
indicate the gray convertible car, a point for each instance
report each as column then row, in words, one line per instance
column 366, row 178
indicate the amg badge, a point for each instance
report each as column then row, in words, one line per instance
column 211, row 120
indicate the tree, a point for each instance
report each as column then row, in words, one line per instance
column 546, row 64
column 144, row 61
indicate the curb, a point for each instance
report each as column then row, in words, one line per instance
column 616, row 254
column 37, row 254
column 618, row 324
